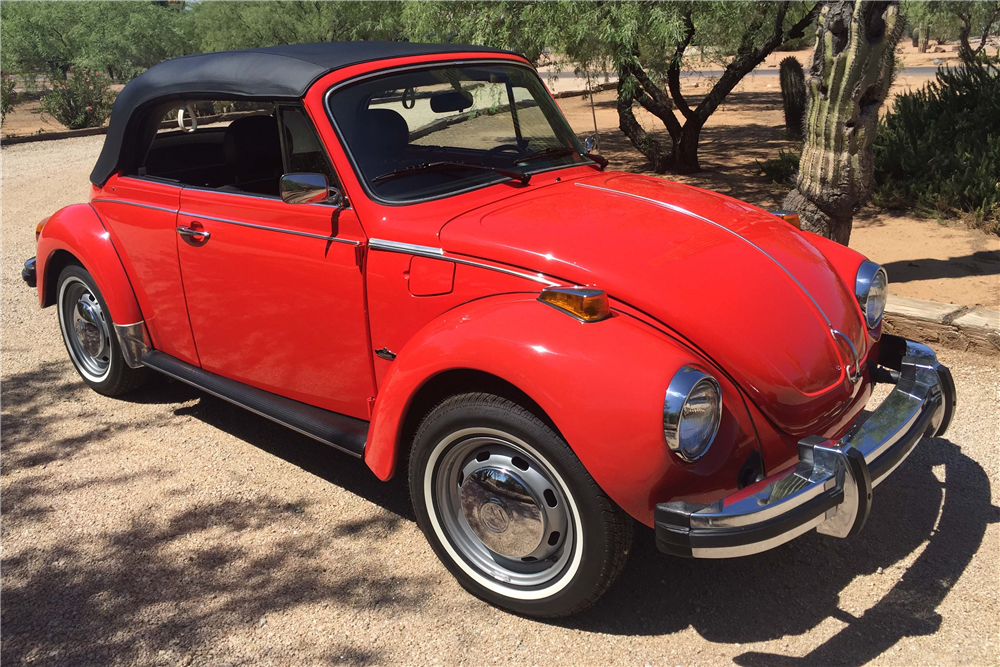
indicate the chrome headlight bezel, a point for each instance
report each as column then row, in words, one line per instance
column 683, row 385
column 869, row 273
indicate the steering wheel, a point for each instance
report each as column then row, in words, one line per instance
column 503, row 148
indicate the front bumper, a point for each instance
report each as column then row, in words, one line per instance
column 831, row 487
column 28, row 273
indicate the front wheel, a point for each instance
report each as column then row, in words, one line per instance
column 88, row 332
column 511, row 511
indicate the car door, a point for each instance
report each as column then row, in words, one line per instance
column 275, row 291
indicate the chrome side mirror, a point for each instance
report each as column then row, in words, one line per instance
column 309, row 189
column 590, row 143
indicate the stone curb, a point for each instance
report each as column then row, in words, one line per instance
column 944, row 324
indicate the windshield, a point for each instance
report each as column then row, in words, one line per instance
column 428, row 133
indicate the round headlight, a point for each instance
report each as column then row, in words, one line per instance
column 872, row 288
column 692, row 411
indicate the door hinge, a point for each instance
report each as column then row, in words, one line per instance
column 359, row 255
column 371, row 406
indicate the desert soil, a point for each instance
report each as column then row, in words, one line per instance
column 174, row 529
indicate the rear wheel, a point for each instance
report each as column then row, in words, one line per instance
column 88, row 332
column 511, row 511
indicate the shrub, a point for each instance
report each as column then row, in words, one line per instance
column 793, row 95
column 7, row 96
column 782, row 169
column 938, row 150
column 80, row 98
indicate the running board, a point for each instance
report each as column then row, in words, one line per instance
column 331, row 428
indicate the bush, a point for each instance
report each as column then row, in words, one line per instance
column 782, row 169
column 7, row 96
column 81, row 98
column 938, row 150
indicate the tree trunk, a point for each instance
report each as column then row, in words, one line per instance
column 685, row 149
column 848, row 82
column 636, row 86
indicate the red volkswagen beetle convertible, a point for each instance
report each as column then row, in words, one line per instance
column 404, row 252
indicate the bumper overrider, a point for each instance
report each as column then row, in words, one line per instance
column 831, row 487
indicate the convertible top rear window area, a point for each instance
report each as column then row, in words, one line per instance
column 234, row 146
column 433, row 132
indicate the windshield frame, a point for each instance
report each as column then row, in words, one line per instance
column 498, row 180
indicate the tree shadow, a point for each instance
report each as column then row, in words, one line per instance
column 793, row 588
column 980, row 263
column 170, row 584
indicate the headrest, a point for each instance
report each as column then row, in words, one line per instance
column 385, row 132
column 252, row 138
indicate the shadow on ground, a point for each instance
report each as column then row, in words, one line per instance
column 172, row 584
column 124, row 594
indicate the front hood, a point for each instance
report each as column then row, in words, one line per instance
column 743, row 286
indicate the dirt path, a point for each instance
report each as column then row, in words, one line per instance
column 175, row 529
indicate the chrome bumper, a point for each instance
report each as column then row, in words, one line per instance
column 831, row 487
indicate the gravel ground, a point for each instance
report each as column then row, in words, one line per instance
column 172, row 528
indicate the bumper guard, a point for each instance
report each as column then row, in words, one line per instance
column 831, row 487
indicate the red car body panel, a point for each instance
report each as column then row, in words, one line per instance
column 292, row 299
column 274, row 308
column 702, row 279
column 141, row 217
column 601, row 383
column 77, row 229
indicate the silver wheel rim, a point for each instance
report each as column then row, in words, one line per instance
column 506, row 515
column 85, row 329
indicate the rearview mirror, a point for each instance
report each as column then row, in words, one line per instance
column 308, row 189
column 444, row 102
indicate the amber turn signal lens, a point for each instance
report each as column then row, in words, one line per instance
column 589, row 305
column 791, row 217
column 38, row 227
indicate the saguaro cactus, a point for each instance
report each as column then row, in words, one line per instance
column 915, row 37
column 848, row 82
column 793, row 95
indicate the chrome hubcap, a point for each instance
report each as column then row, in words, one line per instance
column 86, row 329
column 502, row 511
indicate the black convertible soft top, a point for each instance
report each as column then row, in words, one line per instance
column 275, row 72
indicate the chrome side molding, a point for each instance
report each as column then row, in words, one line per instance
column 134, row 342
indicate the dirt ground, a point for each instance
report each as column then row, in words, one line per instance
column 174, row 529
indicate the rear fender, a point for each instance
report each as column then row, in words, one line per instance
column 78, row 231
column 601, row 384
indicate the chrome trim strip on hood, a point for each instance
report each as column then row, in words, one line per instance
column 438, row 253
column 684, row 211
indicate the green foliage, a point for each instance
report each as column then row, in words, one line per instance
column 782, row 169
column 225, row 24
column 7, row 96
column 948, row 20
column 793, row 95
column 81, row 98
column 119, row 38
column 939, row 149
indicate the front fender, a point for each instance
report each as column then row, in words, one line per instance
column 78, row 230
column 602, row 384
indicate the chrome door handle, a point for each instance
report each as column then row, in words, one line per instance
column 195, row 237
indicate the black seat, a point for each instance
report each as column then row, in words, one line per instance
column 381, row 139
column 253, row 155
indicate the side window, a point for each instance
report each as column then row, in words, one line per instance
column 302, row 148
column 226, row 145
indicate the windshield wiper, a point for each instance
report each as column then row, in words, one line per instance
column 557, row 151
column 523, row 179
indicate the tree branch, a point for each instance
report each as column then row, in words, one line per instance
column 674, row 70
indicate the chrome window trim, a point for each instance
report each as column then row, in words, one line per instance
column 684, row 211
column 271, row 229
column 438, row 253
column 426, row 65
column 132, row 203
